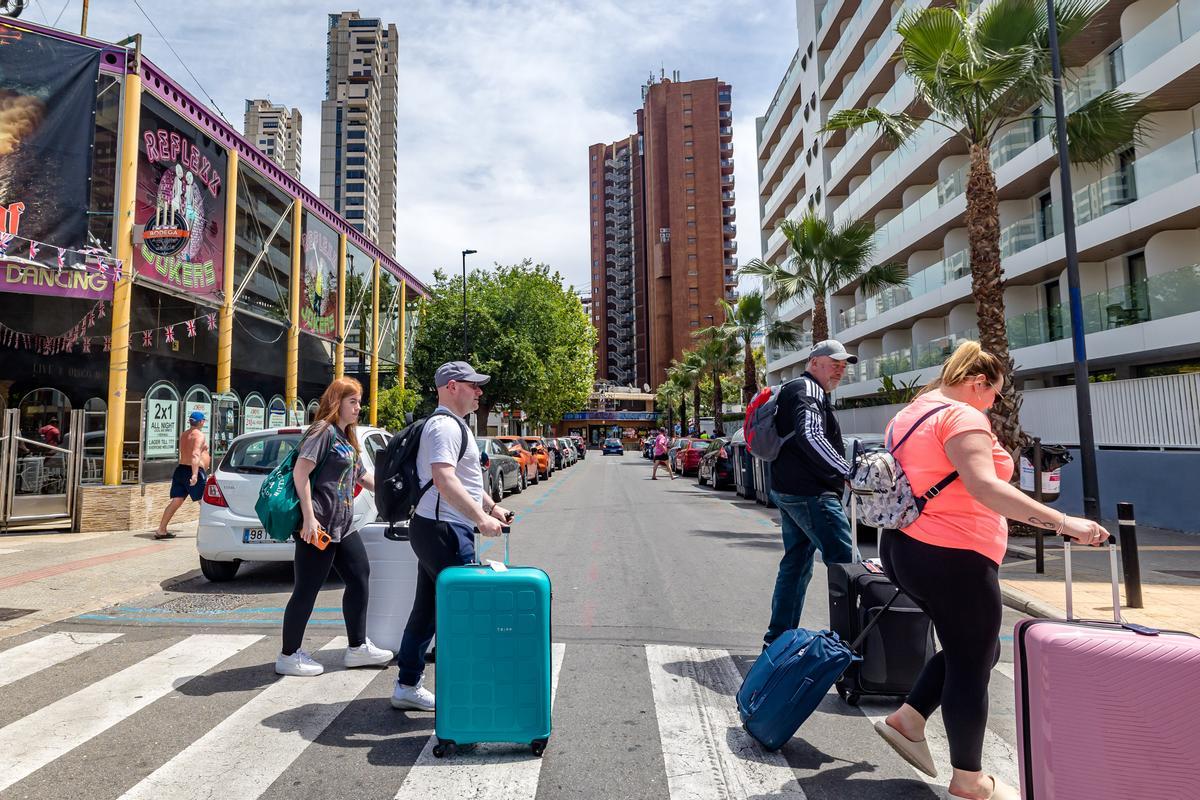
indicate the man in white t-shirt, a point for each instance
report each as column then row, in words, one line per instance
column 442, row 530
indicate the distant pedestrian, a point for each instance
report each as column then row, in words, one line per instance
column 327, row 469
column 807, row 481
column 442, row 529
column 948, row 559
column 189, row 476
column 661, row 446
column 51, row 433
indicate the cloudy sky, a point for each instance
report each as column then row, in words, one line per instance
column 499, row 101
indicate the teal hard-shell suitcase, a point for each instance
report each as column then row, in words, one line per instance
column 493, row 657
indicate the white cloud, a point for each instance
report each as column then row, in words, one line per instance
column 499, row 101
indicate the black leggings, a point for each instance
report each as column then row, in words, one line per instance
column 960, row 591
column 349, row 558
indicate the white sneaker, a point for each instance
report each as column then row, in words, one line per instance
column 298, row 663
column 416, row 698
column 366, row 655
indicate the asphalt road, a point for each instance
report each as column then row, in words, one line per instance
column 661, row 593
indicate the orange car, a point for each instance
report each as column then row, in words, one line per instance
column 529, row 462
column 545, row 459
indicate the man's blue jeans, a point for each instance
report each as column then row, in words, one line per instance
column 810, row 523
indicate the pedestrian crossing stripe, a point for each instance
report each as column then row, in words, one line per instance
column 26, row 659
column 219, row 757
column 34, row 741
column 706, row 753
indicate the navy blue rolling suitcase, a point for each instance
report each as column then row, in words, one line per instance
column 791, row 677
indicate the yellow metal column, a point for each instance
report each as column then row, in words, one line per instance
column 339, row 353
column 375, row 343
column 401, row 333
column 118, row 357
column 225, row 323
column 293, row 343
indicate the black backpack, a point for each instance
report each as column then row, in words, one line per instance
column 397, row 488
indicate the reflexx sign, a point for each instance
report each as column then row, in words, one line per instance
column 180, row 204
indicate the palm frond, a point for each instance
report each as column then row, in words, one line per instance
column 1073, row 16
column 1105, row 125
column 895, row 128
column 882, row 276
column 931, row 38
column 1006, row 25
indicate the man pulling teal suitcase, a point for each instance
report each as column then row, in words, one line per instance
column 493, row 665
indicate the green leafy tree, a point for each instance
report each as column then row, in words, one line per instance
column 743, row 323
column 668, row 395
column 525, row 329
column 978, row 73
column 822, row 258
column 394, row 403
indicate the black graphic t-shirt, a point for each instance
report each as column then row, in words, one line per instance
column 333, row 486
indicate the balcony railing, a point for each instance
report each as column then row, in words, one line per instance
column 727, row 180
column 1171, row 28
column 850, row 39
column 932, row 277
column 802, row 344
column 790, row 75
column 886, row 39
column 729, row 230
column 1168, row 294
column 728, row 197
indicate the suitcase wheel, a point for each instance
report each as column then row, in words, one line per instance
column 538, row 746
column 850, row 697
column 444, row 747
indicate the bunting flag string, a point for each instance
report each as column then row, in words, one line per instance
column 87, row 259
column 78, row 336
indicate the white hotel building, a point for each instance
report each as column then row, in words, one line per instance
column 1138, row 216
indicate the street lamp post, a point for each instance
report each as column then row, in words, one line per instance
column 1083, row 401
column 465, row 253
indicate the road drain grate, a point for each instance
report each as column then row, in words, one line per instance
column 7, row 614
column 203, row 603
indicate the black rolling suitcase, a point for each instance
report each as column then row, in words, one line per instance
column 895, row 650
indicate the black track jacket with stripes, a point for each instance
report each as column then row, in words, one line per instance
column 813, row 461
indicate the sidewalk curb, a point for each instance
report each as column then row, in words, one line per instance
column 1028, row 604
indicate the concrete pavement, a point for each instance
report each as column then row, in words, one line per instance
column 1170, row 570
column 47, row 577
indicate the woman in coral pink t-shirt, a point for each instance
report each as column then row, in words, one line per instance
column 948, row 560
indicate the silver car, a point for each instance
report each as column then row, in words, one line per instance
column 230, row 531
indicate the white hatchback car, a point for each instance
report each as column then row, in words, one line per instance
column 230, row 531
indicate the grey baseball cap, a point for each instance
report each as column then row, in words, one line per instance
column 458, row 371
column 834, row 349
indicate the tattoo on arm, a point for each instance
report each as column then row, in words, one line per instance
column 1042, row 523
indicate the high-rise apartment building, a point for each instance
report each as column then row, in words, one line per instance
column 663, row 232
column 1138, row 214
column 358, row 125
column 275, row 130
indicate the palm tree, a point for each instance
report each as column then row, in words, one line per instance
column 667, row 395
column 693, row 367
column 743, row 323
column 720, row 357
column 680, row 376
column 978, row 73
column 824, row 258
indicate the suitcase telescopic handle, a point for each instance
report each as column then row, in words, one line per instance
column 1112, row 562
column 505, row 530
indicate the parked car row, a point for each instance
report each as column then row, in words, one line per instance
column 710, row 460
column 513, row 463
column 230, row 531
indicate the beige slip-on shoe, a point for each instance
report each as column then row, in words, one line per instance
column 915, row 753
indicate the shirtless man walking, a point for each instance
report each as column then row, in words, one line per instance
column 188, row 478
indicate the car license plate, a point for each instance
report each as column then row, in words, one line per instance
column 257, row 536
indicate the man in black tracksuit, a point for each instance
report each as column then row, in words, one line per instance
column 807, row 479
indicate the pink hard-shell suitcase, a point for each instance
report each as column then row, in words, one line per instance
column 1106, row 710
